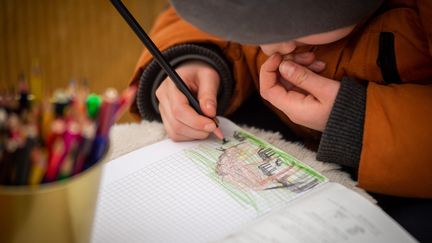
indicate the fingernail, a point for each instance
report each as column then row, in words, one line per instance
column 210, row 127
column 319, row 64
column 286, row 68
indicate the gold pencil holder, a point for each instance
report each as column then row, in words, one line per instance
column 59, row 212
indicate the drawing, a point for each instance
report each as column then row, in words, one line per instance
column 249, row 168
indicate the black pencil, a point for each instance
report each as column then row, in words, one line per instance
column 152, row 48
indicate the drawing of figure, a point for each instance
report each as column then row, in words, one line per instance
column 249, row 167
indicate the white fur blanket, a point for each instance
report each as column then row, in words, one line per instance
column 129, row 137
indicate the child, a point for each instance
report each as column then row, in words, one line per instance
column 359, row 72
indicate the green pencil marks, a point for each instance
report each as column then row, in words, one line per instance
column 253, row 172
column 208, row 166
column 287, row 157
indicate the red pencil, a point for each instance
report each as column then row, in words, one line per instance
column 56, row 149
column 107, row 112
column 72, row 139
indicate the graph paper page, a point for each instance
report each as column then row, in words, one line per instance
column 198, row 191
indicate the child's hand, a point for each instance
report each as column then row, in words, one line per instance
column 181, row 121
column 310, row 108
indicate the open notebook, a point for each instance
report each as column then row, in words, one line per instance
column 245, row 190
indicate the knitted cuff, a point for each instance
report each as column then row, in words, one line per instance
column 341, row 142
column 153, row 75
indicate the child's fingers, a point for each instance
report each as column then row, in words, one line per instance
column 305, row 79
column 304, row 58
column 187, row 127
column 307, row 59
column 181, row 121
column 182, row 111
column 271, row 89
column 208, row 85
column 317, row 66
column 269, row 73
column 178, row 131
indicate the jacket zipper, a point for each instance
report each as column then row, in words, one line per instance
column 387, row 58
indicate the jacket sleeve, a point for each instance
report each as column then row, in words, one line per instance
column 170, row 31
column 396, row 156
column 384, row 132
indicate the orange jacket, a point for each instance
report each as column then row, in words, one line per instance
column 396, row 156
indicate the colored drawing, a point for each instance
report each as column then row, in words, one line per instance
column 251, row 170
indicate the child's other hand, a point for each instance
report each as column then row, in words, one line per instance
column 310, row 105
column 180, row 120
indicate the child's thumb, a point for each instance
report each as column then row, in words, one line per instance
column 302, row 77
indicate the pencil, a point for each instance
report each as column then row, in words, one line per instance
column 152, row 48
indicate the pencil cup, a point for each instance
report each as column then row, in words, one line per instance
column 60, row 212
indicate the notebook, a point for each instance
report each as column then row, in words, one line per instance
column 244, row 190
